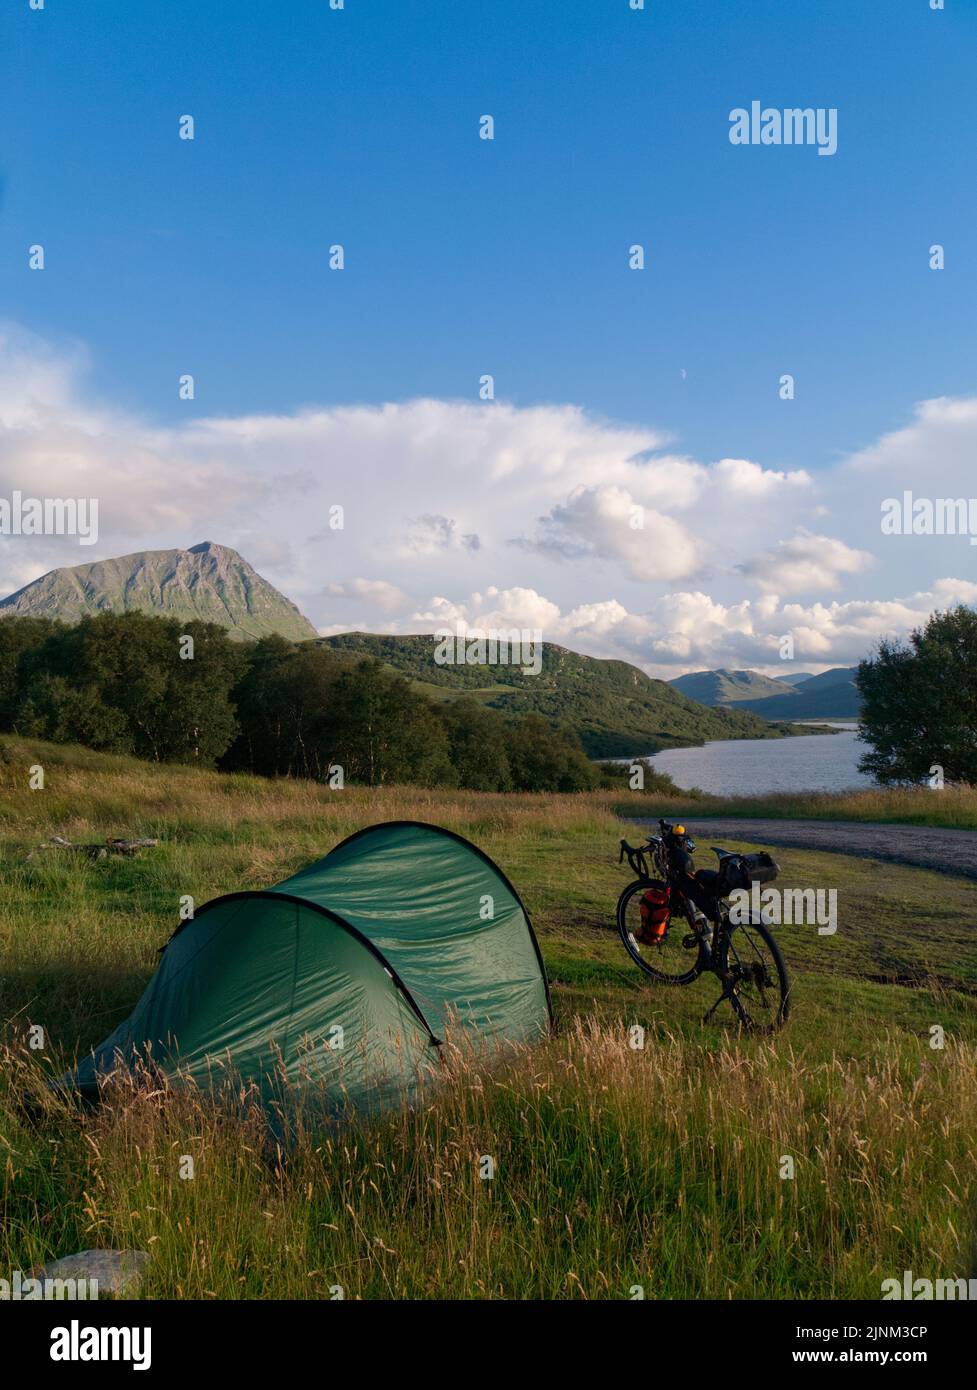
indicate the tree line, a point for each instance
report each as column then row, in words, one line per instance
column 172, row 691
column 128, row 684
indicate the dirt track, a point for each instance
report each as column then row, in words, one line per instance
column 927, row 847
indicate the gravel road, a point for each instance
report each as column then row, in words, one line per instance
column 927, row 847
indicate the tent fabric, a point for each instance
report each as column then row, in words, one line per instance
column 346, row 976
column 420, row 898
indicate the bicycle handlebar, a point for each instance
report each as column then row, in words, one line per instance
column 636, row 855
column 634, row 849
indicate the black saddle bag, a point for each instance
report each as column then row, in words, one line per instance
column 742, row 870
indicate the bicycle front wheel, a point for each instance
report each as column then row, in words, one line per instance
column 671, row 961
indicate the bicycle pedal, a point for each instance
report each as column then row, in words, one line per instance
column 691, row 941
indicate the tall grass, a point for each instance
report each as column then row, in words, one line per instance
column 953, row 805
column 613, row 1168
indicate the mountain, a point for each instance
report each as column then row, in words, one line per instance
column 723, row 686
column 832, row 695
column 209, row 582
column 616, row 709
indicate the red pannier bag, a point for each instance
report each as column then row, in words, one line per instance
column 655, row 913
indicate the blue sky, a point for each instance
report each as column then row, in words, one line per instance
column 466, row 256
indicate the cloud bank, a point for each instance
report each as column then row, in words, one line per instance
column 603, row 534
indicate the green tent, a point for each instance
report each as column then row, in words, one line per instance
column 345, row 977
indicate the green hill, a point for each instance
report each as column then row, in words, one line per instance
column 832, row 695
column 209, row 582
column 722, row 687
column 616, row 709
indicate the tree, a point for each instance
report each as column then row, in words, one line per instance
column 64, row 713
column 379, row 729
column 477, row 745
column 282, row 699
column 304, row 710
column 919, row 702
column 167, row 705
column 544, row 759
column 17, row 637
column 129, row 683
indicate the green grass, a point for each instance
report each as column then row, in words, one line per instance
column 614, row 1166
column 951, row 806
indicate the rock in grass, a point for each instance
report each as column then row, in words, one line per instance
column 117, row 1271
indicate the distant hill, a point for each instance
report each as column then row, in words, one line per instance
column 723, row 686
column 797, row 679
column 209, row 582
column 616, row 709
column 832, row 695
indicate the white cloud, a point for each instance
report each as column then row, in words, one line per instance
column 377, row 592
column 805, row 564
column 746, row 479
column 937, row 445
column 433, row 534
column 483, row 446
column 704, row 633
column 496, row 608
column 597, row 619
column 688, row 629
column 55, row 443
column 932, row 456
column 600, row 523
column 435, row 493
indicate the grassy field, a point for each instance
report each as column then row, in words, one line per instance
column 615, row 1167
column 952, row 806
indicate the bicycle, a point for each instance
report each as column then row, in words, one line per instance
column 743, row 955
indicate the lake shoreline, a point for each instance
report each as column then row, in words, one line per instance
column 757, row 767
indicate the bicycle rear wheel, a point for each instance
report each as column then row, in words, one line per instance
column 761, row 987
column 670, row 961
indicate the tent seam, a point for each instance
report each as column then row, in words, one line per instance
column 295, row 982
